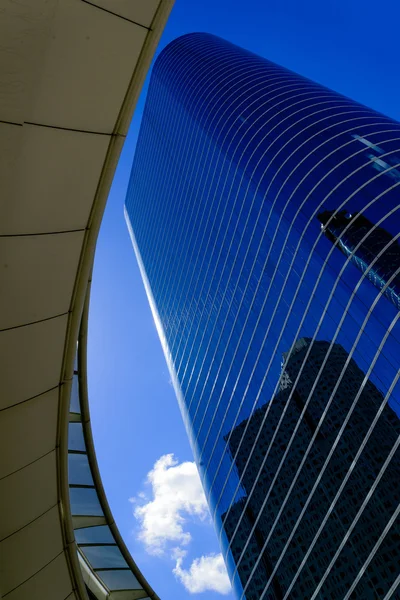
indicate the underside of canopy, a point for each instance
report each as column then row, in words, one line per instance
column 70, row 75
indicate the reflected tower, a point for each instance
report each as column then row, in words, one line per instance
column 316, row 487
column 237, row 160
column 369, row 247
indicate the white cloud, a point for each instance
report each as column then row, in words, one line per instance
column 207, row 573
column 177, row 494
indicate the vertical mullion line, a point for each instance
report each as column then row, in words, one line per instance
column 183, row 216
column 202, row 111
column 226, row 262
column 395, row 585
column 229, row 62
column 202, row 255
column 184, row 73
column 222, row 245
column 282, row 251
column 297, row 379
column 166, row 204
column 190, row 150
column 216, row 408
column 195, row 235
column 172, row 117
column 152, row 101
column 242, row 79
column 310, row 300
column 304, row 362
column 145, row 132
column 266, row 297
column 192, row 134
column 249, row 278
column 336, row 385
column 350, row 470
column 211, row 252
column 162, row 276
column 361, row 510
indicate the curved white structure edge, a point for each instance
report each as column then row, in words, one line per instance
column 70, row 75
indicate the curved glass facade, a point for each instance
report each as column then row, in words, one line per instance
column 264, row 211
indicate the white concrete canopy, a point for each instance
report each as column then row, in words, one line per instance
column 70, row 74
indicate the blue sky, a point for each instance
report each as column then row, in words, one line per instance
column 351, row 47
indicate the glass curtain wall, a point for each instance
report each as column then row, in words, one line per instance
column 264, row 212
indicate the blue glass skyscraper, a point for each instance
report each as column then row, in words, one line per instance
column 264, row 212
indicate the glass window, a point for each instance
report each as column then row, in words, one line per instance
column 100, row 534
column 119, row 580
column 74, row 404
column 75, row 437
column 84, row 501
column 104, row 557
column 79, row 470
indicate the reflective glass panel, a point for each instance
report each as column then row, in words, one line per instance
column 120, row 580
column 79, row 470
column 84, row 501
column 74, row 405
column 104, row 557
column 75, row 437
column 269, row 239
column 94, row 535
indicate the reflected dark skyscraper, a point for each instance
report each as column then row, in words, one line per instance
column 370, row 248
column 247, row 181
column 253, row 440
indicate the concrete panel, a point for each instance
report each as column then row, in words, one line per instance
column 25, row 29
column 27, row 494
column 31, row 359
column 51, row 583
column 98, row 53
column 42, row 268
column 23, row 554
column 49, row 178
column 34, row 423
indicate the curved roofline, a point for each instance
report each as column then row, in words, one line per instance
column 176, row 41
column 61, row 150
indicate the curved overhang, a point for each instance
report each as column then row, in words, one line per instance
column 70, row 75
column 109, row 570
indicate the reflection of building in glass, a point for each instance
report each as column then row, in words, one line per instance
column 235, row 159
column 380, row 161
column 355, row 233
column 243, row 443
